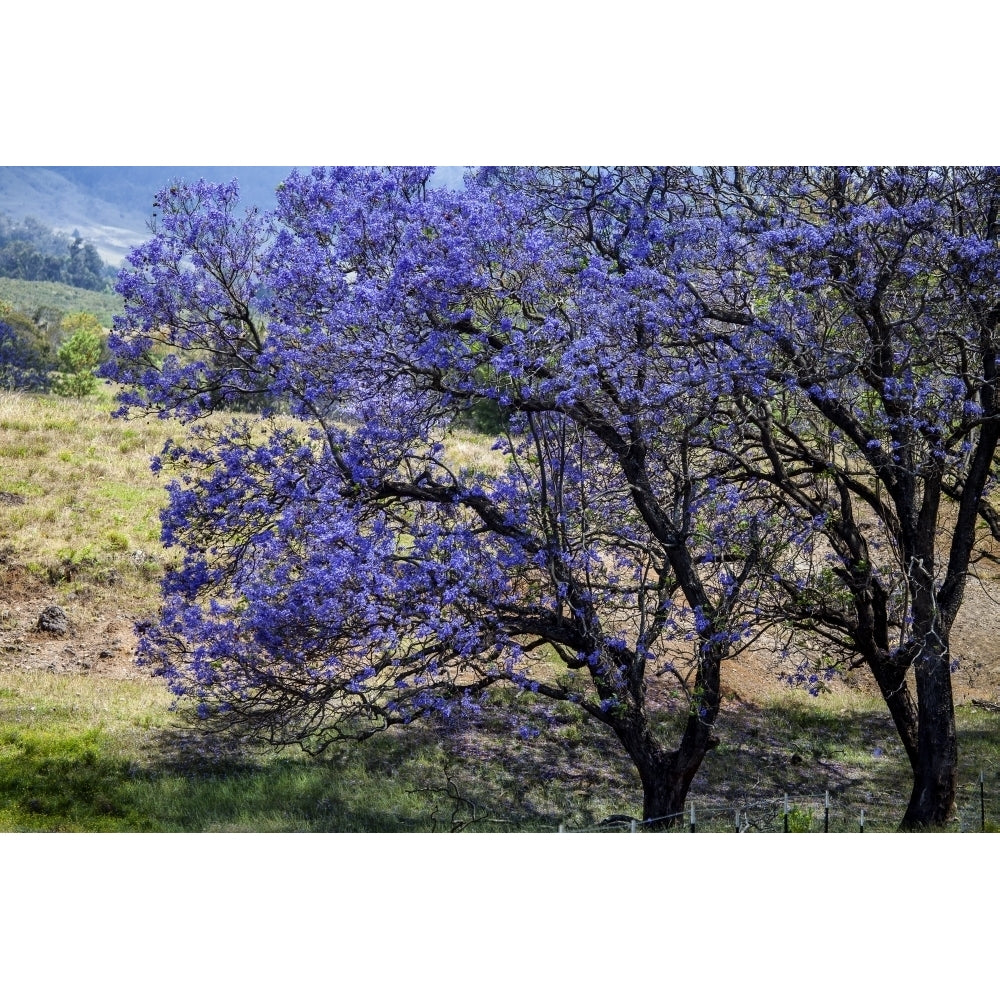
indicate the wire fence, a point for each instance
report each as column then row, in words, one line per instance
column 977, row 810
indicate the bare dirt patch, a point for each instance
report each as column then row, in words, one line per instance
column 100, row 638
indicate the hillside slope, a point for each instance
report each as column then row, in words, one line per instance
column 110, row 206
column 65, row 206
column 79, row 527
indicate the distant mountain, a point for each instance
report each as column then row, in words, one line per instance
column 110, row 206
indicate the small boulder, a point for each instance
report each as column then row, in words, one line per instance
column 53, row 619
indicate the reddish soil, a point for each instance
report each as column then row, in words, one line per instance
column 975, row 642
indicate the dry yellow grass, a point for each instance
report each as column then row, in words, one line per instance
column 77, row 497
column 78, row 501
column 468, row 450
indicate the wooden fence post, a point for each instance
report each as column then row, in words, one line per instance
column 982, row 804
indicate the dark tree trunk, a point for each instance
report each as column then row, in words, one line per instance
column 891, row 680
column 665, row 785
column 932, row 801
column 664, row 791
column 666, row 776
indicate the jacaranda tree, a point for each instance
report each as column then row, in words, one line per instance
column 344, row 569
column 870, row 298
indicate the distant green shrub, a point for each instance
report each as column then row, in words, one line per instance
column 78, row 355
column 484, row 416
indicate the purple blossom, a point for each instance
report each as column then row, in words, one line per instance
column 715, row 397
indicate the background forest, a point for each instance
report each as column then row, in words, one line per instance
column 31, row 251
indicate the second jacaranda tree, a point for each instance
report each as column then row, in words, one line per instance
column 866, row 298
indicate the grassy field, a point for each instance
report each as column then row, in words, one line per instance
column 81, row 504
column 92, row 751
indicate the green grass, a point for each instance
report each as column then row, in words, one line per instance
column 69, row 749
column 27, row 296
column 81, row 753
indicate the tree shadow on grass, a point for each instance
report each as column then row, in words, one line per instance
column 807, row 749
column 525, row 766
column 456, row 773
column 521, row 766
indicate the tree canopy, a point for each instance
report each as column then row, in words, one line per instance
column 730, row 401
column 25, row 354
